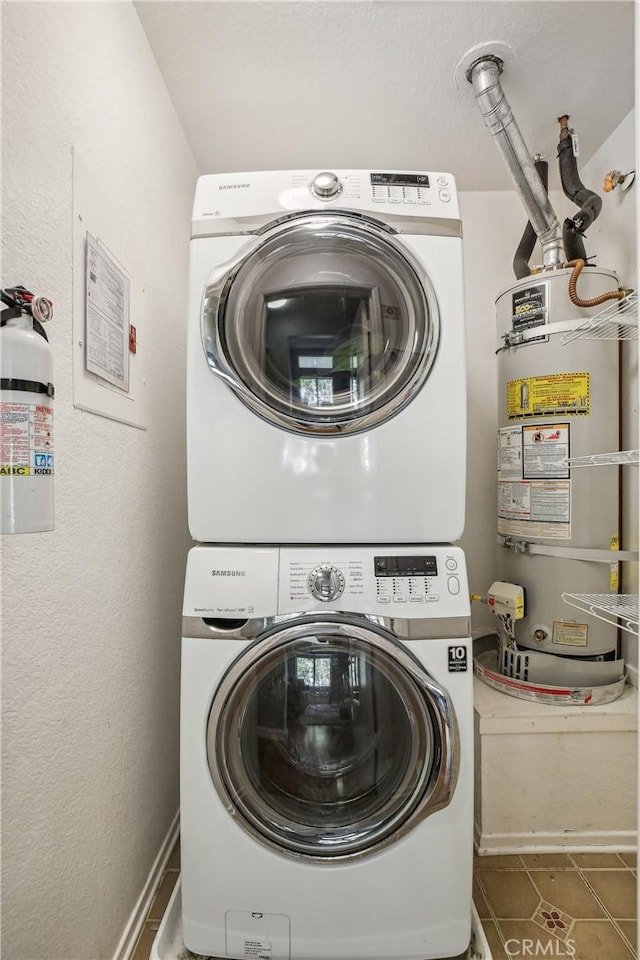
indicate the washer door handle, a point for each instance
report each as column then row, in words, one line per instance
column 217, row 366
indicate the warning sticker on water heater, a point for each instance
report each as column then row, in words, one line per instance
column 558, row 394
column 535, row 508
column 546, row 451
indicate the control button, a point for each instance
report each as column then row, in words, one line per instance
column 423, row 195
column 399, row 598
column 410, row 194
column 445, row 196
column 417, row 598
column 396, row 194
column 384, row 599
column 380, row 195
column 326, row 583
column 443, row 182
column 326, row 185
column 432, row 597
column 453, row 585
column 451, row 564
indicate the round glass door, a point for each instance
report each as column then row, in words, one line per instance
column 327, row 326
column 328, row 740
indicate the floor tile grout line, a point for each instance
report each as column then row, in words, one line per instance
column 612, row 919
column 604, row 906
column 625, row 939
column 494, row 918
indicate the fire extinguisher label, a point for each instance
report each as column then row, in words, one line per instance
column 26, row 440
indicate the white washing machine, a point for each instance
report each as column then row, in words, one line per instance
column 326, row 753
column 326, row 362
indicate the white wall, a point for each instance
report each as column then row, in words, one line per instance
column 91, row 612
column 492, row 224
column 614, row 238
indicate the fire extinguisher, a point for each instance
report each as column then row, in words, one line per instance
column 26, row 413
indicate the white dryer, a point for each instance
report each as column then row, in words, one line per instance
column 326, row 363
column 326, row 753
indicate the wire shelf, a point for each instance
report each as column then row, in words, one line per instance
column 617, row 321
column 604, row 459
column 619, row 609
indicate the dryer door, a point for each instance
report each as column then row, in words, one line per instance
column 328, row 740
column 328, row 325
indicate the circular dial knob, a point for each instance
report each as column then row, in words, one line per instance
column 326, row 583
column 326, row 185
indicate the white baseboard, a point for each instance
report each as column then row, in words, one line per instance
column 134, row 925
column 622, row 841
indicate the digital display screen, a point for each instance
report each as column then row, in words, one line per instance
column 399, row 180
column 405, row 566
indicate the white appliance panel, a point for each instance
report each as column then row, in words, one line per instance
column 236, row 582
column 224, row 868
column 221, row 197
column 402, row 480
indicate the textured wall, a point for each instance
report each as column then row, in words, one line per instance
column 91, row 612
column 614, row 238
column 488, row 253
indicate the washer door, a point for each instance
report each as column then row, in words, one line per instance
column 326, row 326
column 328, row 740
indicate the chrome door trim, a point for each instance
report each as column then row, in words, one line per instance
column 215, row 293
column 426, row 798
column 395, row 223
column 404, row 629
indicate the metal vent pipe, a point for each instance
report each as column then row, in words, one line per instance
column 484, row 76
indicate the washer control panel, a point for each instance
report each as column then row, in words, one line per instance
column 393, row 581
column 409, row 582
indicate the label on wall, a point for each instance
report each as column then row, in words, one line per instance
column 529, row 309
column 26, row 440
column 107, row 316
column 558, row 394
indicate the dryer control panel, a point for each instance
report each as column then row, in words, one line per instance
column 378, row 193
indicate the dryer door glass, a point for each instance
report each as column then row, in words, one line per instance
column 328, row 325
column 330, row 740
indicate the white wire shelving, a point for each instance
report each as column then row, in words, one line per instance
column 619, row 609
column 617, row 321
column 620, row 457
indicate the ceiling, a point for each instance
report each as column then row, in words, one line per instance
column 372, row 83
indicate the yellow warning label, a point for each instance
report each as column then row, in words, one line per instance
column 614, row 570
column 565, row 394
column 11, row 471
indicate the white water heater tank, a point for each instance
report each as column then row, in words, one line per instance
column 556, row 402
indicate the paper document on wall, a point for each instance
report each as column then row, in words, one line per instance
column 107, row 316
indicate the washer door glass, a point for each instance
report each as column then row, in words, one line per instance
column 326, row 326
column 328, row 740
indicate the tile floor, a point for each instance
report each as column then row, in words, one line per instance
column 581, row 906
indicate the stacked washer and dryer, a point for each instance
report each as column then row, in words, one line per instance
column 326, row 703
